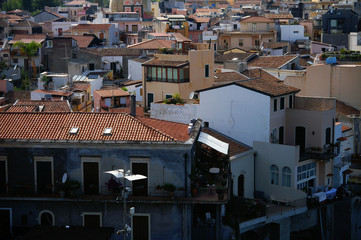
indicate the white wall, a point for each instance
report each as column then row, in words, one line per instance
column 63, row 25
column 134, row 70
column 243, row 164
column 237, row 112
column 291, row 33
column 353, row 38
column 135, row 88
column 175, row 113
column 109, row 59
column 281, row 156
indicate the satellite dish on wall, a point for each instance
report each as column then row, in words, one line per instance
column 193, row 95
column 64, row 178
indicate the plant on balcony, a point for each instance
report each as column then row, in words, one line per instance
column 114, row 185
column 29, row 50
column 166, row 51
column 169, row 187
column 69, row 187
column 175, row 99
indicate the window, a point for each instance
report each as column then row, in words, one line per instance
column 91, row 174
column 281, row 135
column 290, row 101
column 3, row 174
column 92, row 219
column 91, row 66
column 6, row 55
column 274, row 174
column 256, row 43
column 295, row 31
column 282, row 103
column 267, row 26
column 15, row 60
column 49, row 44
column 206, row 71
column 73, row 55
column 46, row 218
column 240, row 42
column 254, row 27
column 43, row 172
column 286, row 177
column 275, row 105
column 140, row 166
column 328, row 135
column 167, row 96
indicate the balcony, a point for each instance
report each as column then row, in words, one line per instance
column 326, row 152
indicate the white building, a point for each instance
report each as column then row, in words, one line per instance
column 291, row 33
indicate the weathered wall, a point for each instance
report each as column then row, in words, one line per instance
column 176, row 113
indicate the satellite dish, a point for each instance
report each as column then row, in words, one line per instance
column 193, row 95
column 64, row 178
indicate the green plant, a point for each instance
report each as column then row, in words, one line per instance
column 124, row 89
column 175, row 99
column 169, row 187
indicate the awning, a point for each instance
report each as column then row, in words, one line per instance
column 213, row 142
column 348, row 171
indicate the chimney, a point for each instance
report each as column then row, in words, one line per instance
column 132, row 105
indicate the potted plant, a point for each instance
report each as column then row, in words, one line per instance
column 114, row 186
column 170, row 188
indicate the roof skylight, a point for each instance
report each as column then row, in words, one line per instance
column 74, row 130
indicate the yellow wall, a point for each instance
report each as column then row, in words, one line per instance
column 197, row 61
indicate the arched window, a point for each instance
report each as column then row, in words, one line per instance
column 286, row 177
column 274, row 174
column 47, row 218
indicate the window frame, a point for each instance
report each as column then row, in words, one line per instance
column 100, row 214
column 286, row 177
column 274, row 170
column 206, row 71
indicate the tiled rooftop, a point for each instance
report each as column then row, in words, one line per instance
column 233, row 56
column 156, row 62
column 235, row 147
column 92, row 26
column 52, row 92
column 228, row 77
column 82, row 41
column 271, row 61
column 56, row 127
column 279, row 16
column 25, row 105
column 112, row 93
column 27, row 38
column 113, row 51
column 346, row 109
column 152, row 44
column 256, row 19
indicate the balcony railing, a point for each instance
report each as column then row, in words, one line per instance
column 326, row 152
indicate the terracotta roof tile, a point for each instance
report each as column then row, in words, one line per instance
column 156, row 62
column 25, row 105
column 279, row 16
column 82, row 41
column 180, row 37
column 112, row 93
column 56, row 126
column 152, row 44
column 235, row 147
column 256, row 19
column 27, row 38
column 274, row 45
column 225, row 77
column 55, row 93
column 233, row 55
column 92, row 26
column 262, row 82
column 113, row 51
column 177, row 130
column 271, row 61
column 345, row 128
column 200, row 19
column 346, row 109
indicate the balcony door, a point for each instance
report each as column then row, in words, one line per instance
column 241, row 185
column 91, row 178
column 3, row 175
column 300, row 138
column 43, row 175
column 140, row 187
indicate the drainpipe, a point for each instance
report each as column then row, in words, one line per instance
column 185, row 174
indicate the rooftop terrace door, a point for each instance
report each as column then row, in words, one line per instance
column 300, row 138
